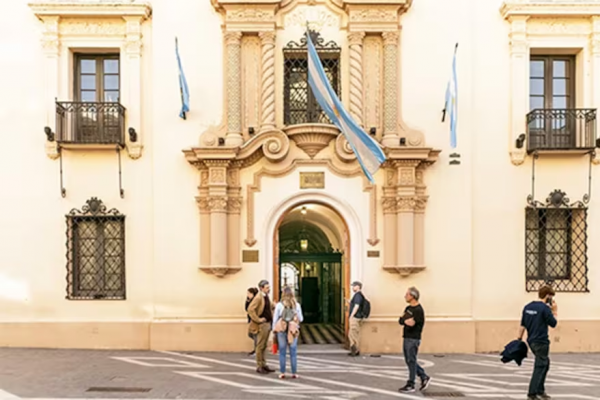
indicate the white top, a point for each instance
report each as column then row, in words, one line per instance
column 279, row 310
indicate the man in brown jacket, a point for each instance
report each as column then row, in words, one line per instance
column 260, row 312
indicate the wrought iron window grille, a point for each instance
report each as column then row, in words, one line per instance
column 561, row 129
column 300, row 105
column 95, row 253
column 556, row 244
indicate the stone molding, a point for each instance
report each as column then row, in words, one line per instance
column 105, row 24
column 557, row 8
column 312, row 138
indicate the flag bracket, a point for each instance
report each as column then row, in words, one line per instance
column 121, row 190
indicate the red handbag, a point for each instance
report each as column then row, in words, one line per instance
column 275, row 346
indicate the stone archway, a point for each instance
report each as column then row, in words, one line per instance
column 348, row 229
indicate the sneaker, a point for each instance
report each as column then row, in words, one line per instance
column 251, row 353
column 407, row 389
column 425, row 384
column 544, row 396
column 295, row 376
column 281, row 376
column 533, row 397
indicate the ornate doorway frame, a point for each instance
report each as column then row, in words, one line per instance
column 352, row 238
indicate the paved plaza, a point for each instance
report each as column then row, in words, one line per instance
column 325, row 373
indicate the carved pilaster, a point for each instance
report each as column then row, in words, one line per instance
column 390, row 88
column 133, row 52
column 267, row 99
column 355, row 42
column 519, row 86
column 51, row 46
column 234, row 206
column 233, row 44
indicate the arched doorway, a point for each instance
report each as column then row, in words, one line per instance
column 310, row 246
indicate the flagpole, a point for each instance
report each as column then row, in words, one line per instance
column 444, row 110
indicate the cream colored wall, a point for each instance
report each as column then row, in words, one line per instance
column 474, row 218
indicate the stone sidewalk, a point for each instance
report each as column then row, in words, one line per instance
column 329, row 375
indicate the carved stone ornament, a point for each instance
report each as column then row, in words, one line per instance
column 404, row 271
column 554, row 8
column 374, row 15
column 220, row 271
column 217, row 203
column 343, row 149
column 517, row 157
column 312, row 138
column 249, row 14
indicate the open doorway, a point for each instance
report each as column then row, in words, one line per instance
column 311, row 257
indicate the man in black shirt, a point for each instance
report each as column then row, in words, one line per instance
column 355, row 318
column 536, row 318
column 413, row 321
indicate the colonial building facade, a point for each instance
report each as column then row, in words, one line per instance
column 126, row 226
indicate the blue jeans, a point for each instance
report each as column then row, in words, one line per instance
column 410, row 350
column 282, row 342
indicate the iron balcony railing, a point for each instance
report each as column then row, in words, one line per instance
column 561, row 129
column 90, row 123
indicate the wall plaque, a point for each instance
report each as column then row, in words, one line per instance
column 373, row 253
column 250, row 256
column 312, row 180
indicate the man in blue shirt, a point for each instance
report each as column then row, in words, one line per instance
column 537, row 317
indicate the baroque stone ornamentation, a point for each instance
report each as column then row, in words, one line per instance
column 312, row 138
column 249, row 14
column 217, row 175
column 389, row 205
column 343, row 149
column 267, row 81
column 374, row 15
column 217, row 203
column 318, row 17
column 233, row 41
column 105, row 27
column 355, row 40
column 407, row 203
column 390, row 88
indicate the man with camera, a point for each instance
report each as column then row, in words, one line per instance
column 537, row 317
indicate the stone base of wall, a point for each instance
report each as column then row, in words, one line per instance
column 377, row 336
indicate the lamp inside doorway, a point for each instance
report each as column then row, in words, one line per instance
column 302, row 236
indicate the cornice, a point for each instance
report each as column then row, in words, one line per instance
column 560, row 8
column 114, row 8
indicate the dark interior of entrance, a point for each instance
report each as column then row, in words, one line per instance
column 311, row 262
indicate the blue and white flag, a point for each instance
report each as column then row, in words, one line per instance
column 183, row 86
column 367, row 150
column 451, row 104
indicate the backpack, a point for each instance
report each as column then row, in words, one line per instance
column 288, row 314
column 365, row 310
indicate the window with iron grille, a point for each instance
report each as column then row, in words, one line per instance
column 556, row 244
column 300, row 105
column 95, row 253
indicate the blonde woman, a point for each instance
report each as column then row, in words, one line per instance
column 286, row 325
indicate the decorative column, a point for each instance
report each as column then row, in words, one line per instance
column 355, row 42
column 133, row 95
column 234, row 206
column 233, row 43
column 217, row 204
column 267, row 120
column 390, row 89
column 51, row 46
column 519, row 85
column 406, row 212
column 419, row 227
column 389, row 205
column 202, row 201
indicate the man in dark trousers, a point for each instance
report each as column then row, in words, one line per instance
column 413, row 321
column 537, row 317
column 260, row 312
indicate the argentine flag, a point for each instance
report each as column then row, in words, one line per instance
column 367, row 150
column 183, row 86
column 451, row 104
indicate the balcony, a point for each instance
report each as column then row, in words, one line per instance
column 90, row 124
column 561, row 130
